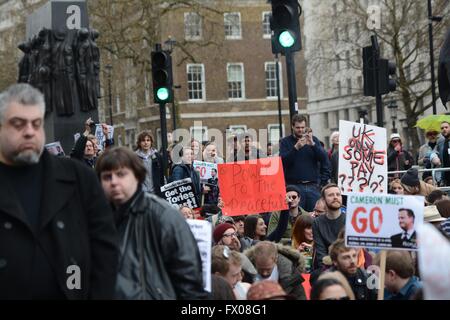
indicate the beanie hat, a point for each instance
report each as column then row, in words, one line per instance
column 394, row 136
column 411, row 178
column 292, row 187
column 220, row 230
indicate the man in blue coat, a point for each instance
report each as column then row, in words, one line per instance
column 305, row 162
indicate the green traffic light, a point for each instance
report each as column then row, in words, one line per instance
column 286, row 39
column 162, row 94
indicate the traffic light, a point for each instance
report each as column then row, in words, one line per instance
column 285, row 26
column 386, row 70
column 162, row 76
column 368, row 71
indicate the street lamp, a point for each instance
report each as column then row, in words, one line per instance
column 108, row 68
column 432, row 19
column 392, row 106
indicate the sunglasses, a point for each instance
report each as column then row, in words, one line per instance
column 396, row 140
column 293, row 197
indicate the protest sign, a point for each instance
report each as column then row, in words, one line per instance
column 251, row 187
column 101, row 138
column 205, row 170
column 434, row 257
column 55, row 149
column 383, row 221
column 202, row 233
column 180, row 193
column 362, row 158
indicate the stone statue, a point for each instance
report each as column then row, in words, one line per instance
column 25, row 62
column 64, row 88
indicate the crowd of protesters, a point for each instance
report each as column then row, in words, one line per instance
column 104, row 212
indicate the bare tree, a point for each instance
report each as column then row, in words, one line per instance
column 403, row 39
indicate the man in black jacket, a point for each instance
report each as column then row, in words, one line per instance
column 57, row 235
column 159, row 258
column 345, row 260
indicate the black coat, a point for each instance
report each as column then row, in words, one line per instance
column 76, row 228
column 398, row 242
column 159, row 259
column 183, row 171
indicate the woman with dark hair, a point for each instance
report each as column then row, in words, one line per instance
column 302, row 238
column 255, row 230
column 152, row 161
column 159, row 257
column 330, row 288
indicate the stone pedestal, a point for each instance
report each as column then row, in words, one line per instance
column 62, row 66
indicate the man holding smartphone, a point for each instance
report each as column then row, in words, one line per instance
column 305, row 162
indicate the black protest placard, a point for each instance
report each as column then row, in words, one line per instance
column 181, row 193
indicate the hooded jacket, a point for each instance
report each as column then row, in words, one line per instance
column 291, row 265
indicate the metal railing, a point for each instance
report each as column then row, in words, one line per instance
column 422, row 170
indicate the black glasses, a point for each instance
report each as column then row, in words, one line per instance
column 230, row 235
column 395, row 140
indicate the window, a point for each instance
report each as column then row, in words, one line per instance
column 338, row 63
column 349, row 86
column 357, row 29
column 199, row 133
column 274, row 133
column 346, row 35
column 130, row 137
column 358, row 57
column 232, row 23
column 192, row 26
column 196, row 81
column 235, row 75
column 339, row 88
column 422, row 70
column 336, row 34
column 326, row 120
column 267, row 32
column 347, row 58
column 270, row 69
column 346, row 114
column 408, row 72
column 360, row 82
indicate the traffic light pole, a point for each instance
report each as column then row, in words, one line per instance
column 162, row 112
column 277, row 70
column 430, row 38
column 378, row 100
column 292, row 84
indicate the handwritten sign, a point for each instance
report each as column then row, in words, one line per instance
column 202, row 233
column 206, row 170
column 180, row 193
column 383, row 221
column 251, row 187
column 434, row 255
column 362, row 158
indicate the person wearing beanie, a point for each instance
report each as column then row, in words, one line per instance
column 398, row 158
column 442, row 148
column 226, row 234
column 413, row 185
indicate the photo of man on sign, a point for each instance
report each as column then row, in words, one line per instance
column 407, row 238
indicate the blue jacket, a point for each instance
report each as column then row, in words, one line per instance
column 310, row 163
column 406, row 292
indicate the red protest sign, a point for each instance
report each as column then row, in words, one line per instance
column 251, row 187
